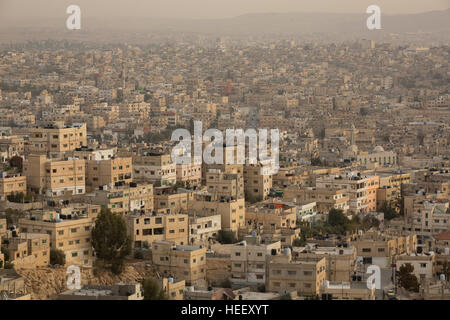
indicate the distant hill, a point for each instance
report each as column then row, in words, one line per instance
column 344, row 26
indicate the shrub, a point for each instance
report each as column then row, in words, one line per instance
column 57, row 257
column 138, row 254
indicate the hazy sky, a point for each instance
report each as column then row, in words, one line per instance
column 16, row 9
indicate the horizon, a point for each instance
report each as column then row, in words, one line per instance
column 19, row 10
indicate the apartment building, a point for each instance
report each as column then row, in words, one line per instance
column 167, row 199
column 272, row 215
column 387, row 194
column 373, row 184
column 155, row 168
column 55, row 178
column 249, row 260
column 383, row 158
column 11, row 183
column 381, row 250
column 28, row 250
column 325, row 199
column 125, row 199
column 337, row 290
column 203, row 227
column 174, row 290
column 355, row 185
column 12, row 145
column 225, row 184
column 181, row 262
column 145, row 229
column 426, row 217
column 69, row 231
column 424, row 264
column 258, row 182
column 189, row 175
column 109, row 171
column 232, row 211
column 54, row 140
column 340, row 261
column 303, row 276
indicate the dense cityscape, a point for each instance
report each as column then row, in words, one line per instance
column 94, row 207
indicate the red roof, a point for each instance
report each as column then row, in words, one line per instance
column 442, row 236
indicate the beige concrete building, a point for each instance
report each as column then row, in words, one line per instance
column 340, row 261
column 257, row 182
column 232, row 211
column 28, row 250
column 381, row 250
column 249, row 260
column 56, row 139
column 69, row 232
column 189, row 174
column 155, row 168
column 225, row 184
column 203, row 227
column 356, row 186
column 55, row 178
column 145, row 229
column 424, row 264
column 132, row 198
column 169, row 200
column 180, row 262
column 272, row 215
column 174, row 290
column 346, row 291
column 303, row 276
column 11, row 184
column 325, row 199
column 109, row 172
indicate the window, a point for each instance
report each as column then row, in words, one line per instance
column 366, row 250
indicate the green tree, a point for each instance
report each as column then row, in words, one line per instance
column 300, row 241
column 226, row 283
column 226, row 237
column 406, row 278
column 388, row 210
column 138, row 254
column 5, row 253
column 152, row 291
column 110, row 239
column 16, row 162
column 57, row 257
column 338, row 221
